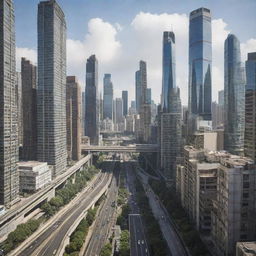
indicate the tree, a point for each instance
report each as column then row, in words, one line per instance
column 106, row 250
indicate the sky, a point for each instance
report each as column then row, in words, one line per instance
column 123, row 32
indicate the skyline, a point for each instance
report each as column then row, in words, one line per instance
column 117, row 32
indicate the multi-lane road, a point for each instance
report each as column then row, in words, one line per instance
column 50, row 241
column 138, row 242
column 104, row 221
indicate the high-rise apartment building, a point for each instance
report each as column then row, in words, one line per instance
column 29, row 90
column 51, row 93
column 138, row 90
column 119, row 110
column 200, row 63
column 125, row 102
column 250, row 107
column 73, row 118
column 9, row 150
column 168, row 69
column 107, row 97
column 83, row 113
column 18, row 85
column 92, row 101
column 234, row 97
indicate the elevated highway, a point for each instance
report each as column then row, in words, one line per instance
column 15, row 215
column 135, row 148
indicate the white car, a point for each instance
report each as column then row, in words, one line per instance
column 142, row 241
column 138, row 241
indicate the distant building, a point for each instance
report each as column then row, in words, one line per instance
column 119, row 110
column 148, row 96
column 29, row 91
column 132, row 109
column 51, row 92
column 73, row 118
column 234, row 97
column 250, row 107
column 107, row 97
column 92, row 101
column 125, row 102
column 200, row 63
column 83, row 113
column 168, row 69
column 33, row 175
column 171, row 136
column 9, row 148
column 138, row 90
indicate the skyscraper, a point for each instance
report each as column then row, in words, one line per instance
column 234, row 97
column 125, row 102
column 168, row 69
column 148, row 96
column 51, row 93
column 200, row 63
column 92, row 100
column 138, row 90
column 9, row 179
column 119, row 110
column 145, row 108
column 108, row 97
column 29, row 90
column 250, row 107
column 73, row 118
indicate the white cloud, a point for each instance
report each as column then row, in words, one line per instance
column 30, row 54
column 248, row 46
column 119, row 50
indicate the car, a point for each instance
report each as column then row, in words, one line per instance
column 138, row 241
column 142, row 241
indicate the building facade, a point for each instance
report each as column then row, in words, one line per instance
column 73, row 118
column 92, row 101
column 200, row 63
column 107, row 97
column 125, row 102
column 234, row 97
column 9, row 150
column 51, row 93
column 250, row 107
column 29, row 91
column 168, row 69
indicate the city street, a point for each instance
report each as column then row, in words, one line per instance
column 138, row 242
column 104, row 221
column 49, row 242
column 174, row 243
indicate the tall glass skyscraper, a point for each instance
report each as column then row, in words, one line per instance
column 168, row 69
column 9, row 148
column 107, row 97
column 137, row 90
column 51, row 93
column 200, row 63
column 125, row 102
column 250, row 107
column 92, row 101
column 234, row 97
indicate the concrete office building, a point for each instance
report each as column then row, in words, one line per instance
column 233, row 214
column 29, row 91
column 250, row 107
column 9, row 150
column 200, row 63
column 33, row 175
column 51, row 93
column 73, row 118
column 107, row 97
column 125, row 102
column 234, row 97
column 92, row 101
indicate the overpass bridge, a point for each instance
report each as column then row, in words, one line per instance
column 135, row 148
column 16, row 214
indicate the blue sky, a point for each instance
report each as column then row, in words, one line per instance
column 131, row 29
